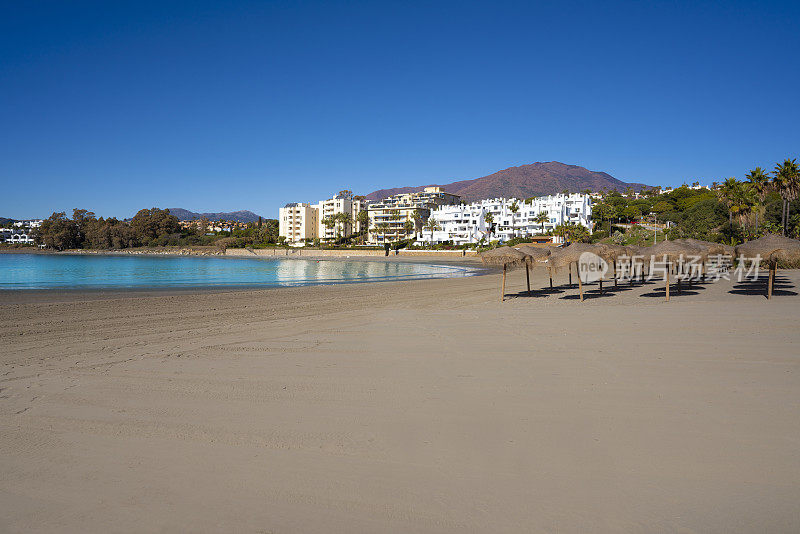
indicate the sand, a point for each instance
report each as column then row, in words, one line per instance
column 422, row 406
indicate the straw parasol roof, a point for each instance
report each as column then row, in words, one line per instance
column 507, row 257
column 675, row 251
column 771, row 248
column 537, row 253
column 636, row 250
column 711, row 248
column 572, row 253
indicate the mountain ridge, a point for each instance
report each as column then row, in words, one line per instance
column 524, row 181
column 244, row 216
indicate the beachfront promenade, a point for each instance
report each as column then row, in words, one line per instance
column 424, row 406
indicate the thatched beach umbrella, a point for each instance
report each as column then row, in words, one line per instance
column 572, row 254
column 674, row 252
column 613, row 253
column 507, row 258
column 771, row 249
column 711, row 248
column 538, row 256
column 634, row 252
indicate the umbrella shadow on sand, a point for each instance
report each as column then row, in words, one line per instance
column 590, row 291
column 660, row 292
column 781, row 286
column 535, row 293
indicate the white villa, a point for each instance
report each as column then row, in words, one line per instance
column 466, row 223
column 20, row 232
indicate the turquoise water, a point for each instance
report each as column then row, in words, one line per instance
column 44, row 271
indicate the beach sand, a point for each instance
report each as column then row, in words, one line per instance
column 423, row 406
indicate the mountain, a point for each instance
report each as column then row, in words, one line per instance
column 534, row 180
column 239, row 216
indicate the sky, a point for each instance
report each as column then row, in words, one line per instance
column 222, row 106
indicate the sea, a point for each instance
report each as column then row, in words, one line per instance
column 107, row 271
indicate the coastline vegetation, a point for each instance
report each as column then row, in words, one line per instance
column 148, row 228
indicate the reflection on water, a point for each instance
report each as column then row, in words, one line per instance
column 36, row 271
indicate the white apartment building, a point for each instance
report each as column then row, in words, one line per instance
column 393, row 218
column 298, row 222
column 466, row 223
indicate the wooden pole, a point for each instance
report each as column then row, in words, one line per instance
column 770, row 281
column 615, row 272
column 580, row 284
column 570, row 276
column 601, row 286
column 550, row 271
column 528, row 278
column 667, row 278
column 503, row 287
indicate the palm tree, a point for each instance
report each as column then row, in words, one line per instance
column 787, row 183
column 329, row 221
column 488, row 218
column 417, row 216
column 742, row 203
column 541, row 219
column 514, row 209
column 432, row 225
column 343, row 221
column 759, row 183
column 382, row 228
column 408, row 226
column 363, row 221
column 727, row 194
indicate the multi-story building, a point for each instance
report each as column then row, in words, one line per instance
column 467, row 223
column 298, row 222
column 343, row 203
column 400, row 216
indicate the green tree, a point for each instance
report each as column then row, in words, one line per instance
column 727, row 192
column 787, row 183
column 759, row 184
column 383, row 229
column 57, row 232
column 363, row 222
column 329, row 221
column 408, row 227
column 541, row 219
column 514, row 209
column 432, row 225
column 631, row 213
column 488, row 218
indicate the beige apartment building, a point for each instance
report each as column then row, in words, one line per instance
column 298, row 222
column 393, row 218
column 341, row 203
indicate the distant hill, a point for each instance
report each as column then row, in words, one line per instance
column 5, row 221
column 239, row 216
column 534, row 180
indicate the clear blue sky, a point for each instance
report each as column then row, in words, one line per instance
column 116, row 106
